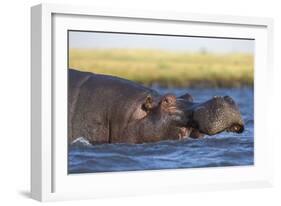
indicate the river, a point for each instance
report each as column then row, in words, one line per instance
column 224, row 149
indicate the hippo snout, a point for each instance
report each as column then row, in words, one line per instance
column 218, row 114
column 238, row 128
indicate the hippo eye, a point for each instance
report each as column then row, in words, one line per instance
column 169, row 99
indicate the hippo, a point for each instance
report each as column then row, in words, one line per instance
column 108, row 109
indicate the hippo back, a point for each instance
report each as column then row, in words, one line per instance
column 101, row 106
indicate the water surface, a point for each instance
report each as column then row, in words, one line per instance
column 225, row 149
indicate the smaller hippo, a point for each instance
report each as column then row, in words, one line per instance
column 108, row 109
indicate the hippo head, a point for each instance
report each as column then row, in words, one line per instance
column 217, row 115
column 184, row 118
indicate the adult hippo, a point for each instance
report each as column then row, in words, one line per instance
column 108, row 109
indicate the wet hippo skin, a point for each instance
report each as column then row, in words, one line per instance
column 108, row 109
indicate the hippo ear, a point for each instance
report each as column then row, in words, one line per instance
column 148, row 103
column 187, row 97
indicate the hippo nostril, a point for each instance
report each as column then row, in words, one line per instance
column 241, row 129
column 236, row 128
column 229, row 99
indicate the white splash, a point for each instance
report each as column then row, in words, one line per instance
column 81, row 141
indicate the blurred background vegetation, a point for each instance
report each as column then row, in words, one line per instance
column 168, row 69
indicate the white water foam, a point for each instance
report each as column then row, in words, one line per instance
column 80, row 141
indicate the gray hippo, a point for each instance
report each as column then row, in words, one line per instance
column 108, row 109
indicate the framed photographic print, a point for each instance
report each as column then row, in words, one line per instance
column 135, row 102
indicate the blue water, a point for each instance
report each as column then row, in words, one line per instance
column 225, row 149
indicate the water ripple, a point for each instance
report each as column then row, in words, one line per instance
column 225, row 149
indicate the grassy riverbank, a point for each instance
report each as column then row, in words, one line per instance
column 167, row 68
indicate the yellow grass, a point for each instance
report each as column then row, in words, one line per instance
column 167, row 68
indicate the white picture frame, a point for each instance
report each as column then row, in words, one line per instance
column 49, row 178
